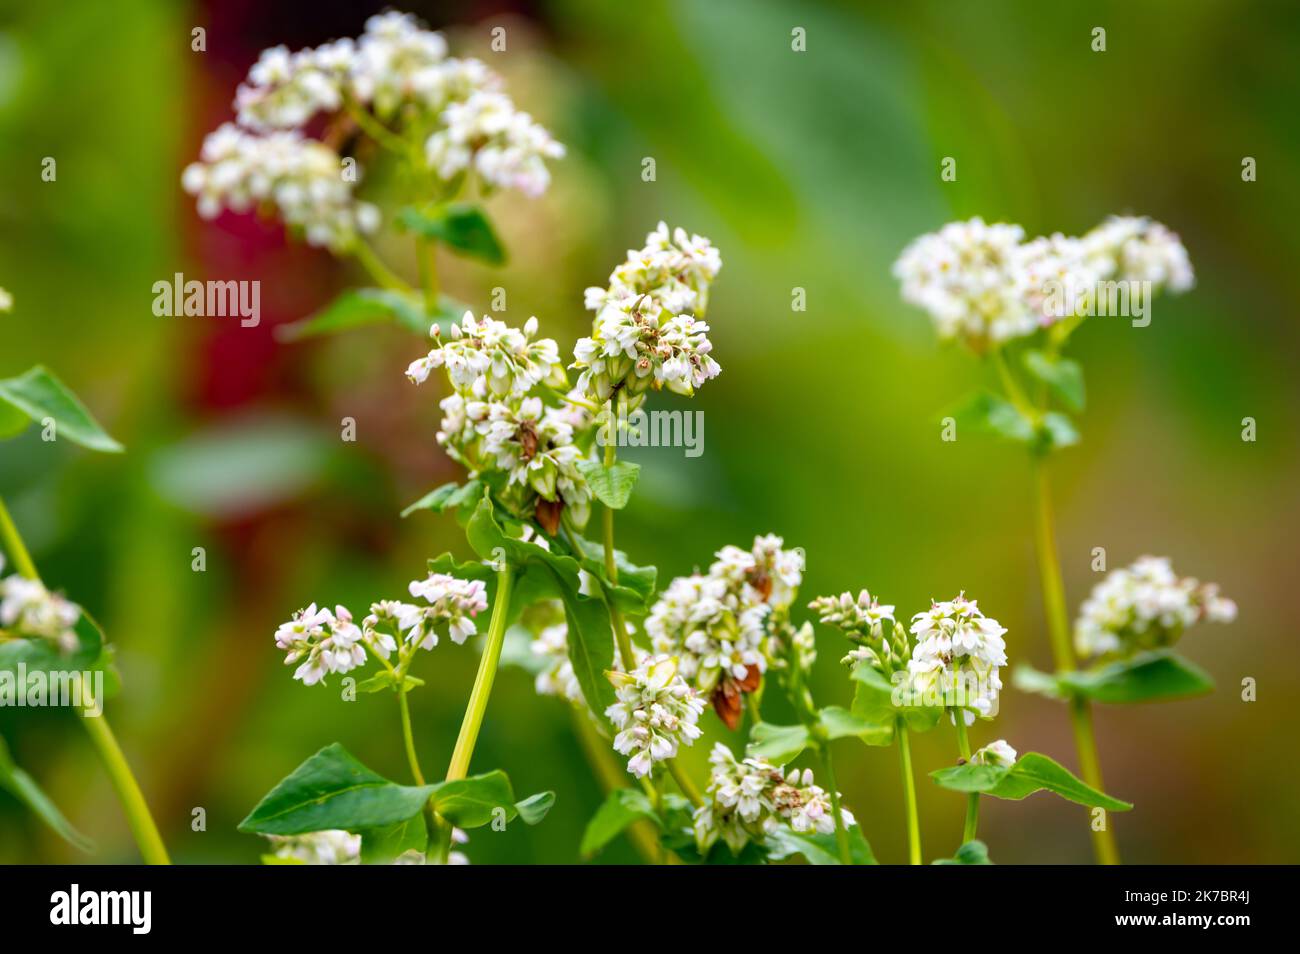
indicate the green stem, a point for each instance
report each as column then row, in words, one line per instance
column 1016, row 395
column 841, row 833
column 128, row 789
column 427, row 261
column 408, row 737
column 101, row 735
column 381, row 273
column 909, row 795
column 1058, row 627
column 621, row 638
column 611, row 777
column 487, row 670
column 378, row 131
column 973, row 799
column 684, row 783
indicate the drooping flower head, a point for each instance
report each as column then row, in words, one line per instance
column 959, row 652
column 649, row 329
column 746, row 800
column 997, row 753
column 720, row 625
column 1145, row 606
column 656, row 713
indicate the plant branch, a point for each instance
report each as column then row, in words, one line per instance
column 973, row 799
column 909, row 795
column 487, row 671
column 841, row 833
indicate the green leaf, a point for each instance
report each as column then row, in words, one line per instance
column 778, row 744
column 462, row 227
column 361, row 307
column 23, row 787
column 873, row 703
column 384, row 679
column 1032, row 773
column 816, row 848
column 611, row 485
column 635, row 589
column 473, row 802
column 1156, row 676
column 535, row 807
column 39, row 395
column 1028, row 679
column 840, row 723
column 447, row 497
column 380, row 846
column 1062, row 375
column 972, row 853
column 590, row 637
column 334, row 790
column 986, row 413
column 621, row 808
column 1058, row 431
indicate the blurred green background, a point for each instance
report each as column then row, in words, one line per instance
column 808, row 170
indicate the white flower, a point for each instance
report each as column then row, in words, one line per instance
column 325, row 643
column 649, row 329
column 303, row 179
column 330, row 847
column 1137, row 249
column 959, row 652
column 285, row 90
column 508, row 358
column 502, row 144
column 863, row 617
column 452, row 601
column 655, row 714
column 965, row 276
column 1145, row 606
column 33, row 612
column 995, row 753
column 747, row 800
column 714, row 633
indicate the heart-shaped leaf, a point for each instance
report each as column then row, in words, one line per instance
column 361, row 307
column 1157, row 676
column 622, row 808
column 1062, row 375
column 1032, row 773
column 611, row 485
column 778, row 744
column 462, row 227
column 816, row 848
column 972, row 853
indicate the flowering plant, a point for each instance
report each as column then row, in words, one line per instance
column 1017, row 303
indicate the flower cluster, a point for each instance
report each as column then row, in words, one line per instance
column 958, row 653
column 303, row 179
column 492, row 421
column 655, row 714
column 1145, row 606
column 717, row 623
column 396, row 70
column 997, row 753
column 550, row 647
column 649, row 329
column 325, row 643
column 31, row 611
column 329, row 642
column 862, row 617
column 747, row 800
column 329, row 847
column 985, row 285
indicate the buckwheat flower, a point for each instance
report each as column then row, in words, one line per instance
column 398, row 62
column 715, row 636
column 807, row 807
column 502, row 144
column 1056, row 275
column 453, row 604
column 325, row 642
column 330, row 847
column 767, row 573
column 387, row 623
column 655, row 714
column 512, row 360
column 648, row 330
column 557, row 678
column 33, row 612
column 1145, row 606
column 6, row 304
column 966, row 276
column 301, row 178
column 995, row 753
column 959, row 652
column 285, row 90
column 1138, row 249
column 747, row 800
column 863, row 617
